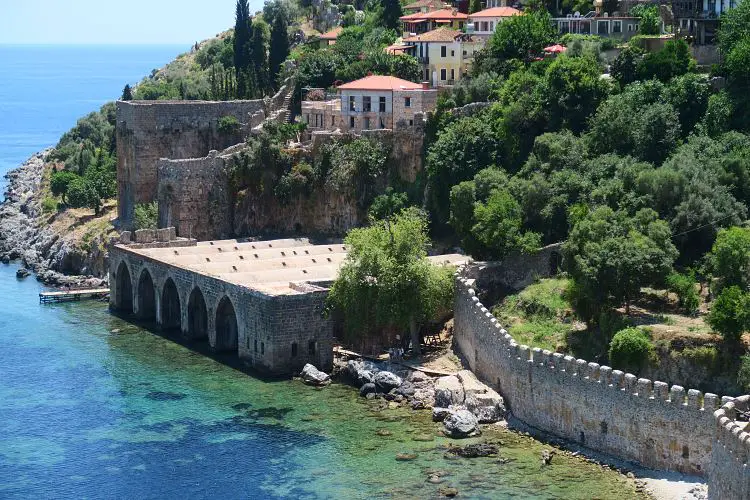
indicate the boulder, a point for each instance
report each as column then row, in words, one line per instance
column 367, row 389
column 22, row 273
column 488, row 407
column 425, row 397
column 312, row 376
column 365, row 377
column 460, row 423
column 5, row 259
column 385, row 381
column 470, row 383
column 448, row 391
column 439, row 414
column 406, row 389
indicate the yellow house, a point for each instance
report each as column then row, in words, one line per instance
column 445, row 54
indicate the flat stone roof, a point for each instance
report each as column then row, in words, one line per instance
column 279, row 267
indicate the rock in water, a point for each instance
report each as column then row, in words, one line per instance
column 367, row 389
column 474, row 450
column 385, row 381
column 439, row 414
column 449, row 492
column 461, row 424
column 312, row 376
column 22, row 273
column 448, row 391
column 488, row 407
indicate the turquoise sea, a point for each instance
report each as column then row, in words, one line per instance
column 93, row 406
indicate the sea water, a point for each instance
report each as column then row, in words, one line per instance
column 95, row 406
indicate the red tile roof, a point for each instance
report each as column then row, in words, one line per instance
column 448, row 14
column 441, row 34
column 379, row 82
column 333, row 34
column 497, row 12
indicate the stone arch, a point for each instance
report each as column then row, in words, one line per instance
column 124, row 291
column 146, row 296
column 226, row 326
column 170, row 306
column 197, row 315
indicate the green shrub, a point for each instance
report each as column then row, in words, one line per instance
column 146, row 216
column 228, row 125
column 743, row 374
column 630, row 349
column 729, row 313
column 49, row 205
column 684, row 286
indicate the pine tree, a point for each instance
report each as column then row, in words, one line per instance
column 475, row 6
column 127, row 93
column 279, row 47
column 242, row 35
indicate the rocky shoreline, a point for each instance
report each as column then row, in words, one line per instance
column 26, row 236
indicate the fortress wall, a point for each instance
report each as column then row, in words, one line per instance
column 604, row 409
column 729, row 477
column 149, row 130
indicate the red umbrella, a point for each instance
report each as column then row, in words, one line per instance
column 555, row 49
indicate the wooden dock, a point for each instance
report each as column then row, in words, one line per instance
column 73, row 295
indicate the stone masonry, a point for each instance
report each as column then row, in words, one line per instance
column 631, row 418
column 263, row 300
column 149, row 130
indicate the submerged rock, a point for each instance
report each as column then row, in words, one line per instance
column 312, row 376
column 460, row 423
column 474, row 450
column 22, row 273
column 448, row 492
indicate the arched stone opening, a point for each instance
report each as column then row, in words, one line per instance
column 124, row 295
column 555, row 263
column 170, row 306
column 226, row 326
column 146, row 297
column 197, row 315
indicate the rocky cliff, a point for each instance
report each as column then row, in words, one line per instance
column 62, row 248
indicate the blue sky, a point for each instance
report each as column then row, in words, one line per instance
column 114, row 21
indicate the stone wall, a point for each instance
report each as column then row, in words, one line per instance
column 604, row 409
column 195, row 195
column 729, row 477
column 149, row 130
column 267, row 325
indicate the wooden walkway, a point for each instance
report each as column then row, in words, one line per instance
column 73, row 295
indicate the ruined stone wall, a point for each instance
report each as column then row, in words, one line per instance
column 604, row 409
column 272, row 322
column 149, row 130
column 195, row 195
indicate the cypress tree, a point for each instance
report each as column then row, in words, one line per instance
column 279, row 49
column 475, row 6
column 390, row 12
column 242, row 35
column 127, row 93
column 259, row 50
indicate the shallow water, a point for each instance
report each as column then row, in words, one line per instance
column 87, row 412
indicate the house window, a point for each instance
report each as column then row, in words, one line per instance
column 366, row 124
column 407, row 102
column 442, row 74
column 294, row 349
column 411, row 122
column 307, row 118
column 602, row 27
column 616, row 26
column 464, row 53
column 492, row 25
column 460, row 25
column 453, row 53
column 311, row 348
column 351, row 122
column 352, row 103
column 366, row 103
column 453, row 75
column 382, row 104
column 442, row 51
column 484, row 26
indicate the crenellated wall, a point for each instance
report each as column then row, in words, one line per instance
column 604, row 409
column 149, row 130
column 729, row 477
